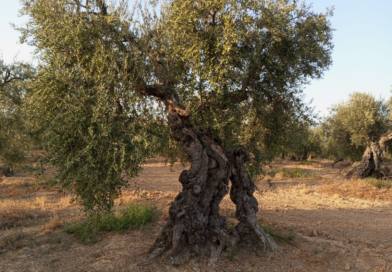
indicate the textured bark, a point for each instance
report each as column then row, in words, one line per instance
column 248, row 229
column 195, row 227
column 372, row 158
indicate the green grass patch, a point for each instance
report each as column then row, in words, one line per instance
column 135, row 216
column 380, row 183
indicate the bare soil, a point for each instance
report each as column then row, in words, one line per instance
column 337, row 225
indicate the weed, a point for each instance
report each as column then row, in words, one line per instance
column 133, row 217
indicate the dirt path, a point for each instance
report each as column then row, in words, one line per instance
column 337, row 226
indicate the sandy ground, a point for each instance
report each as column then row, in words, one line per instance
column 337, row 225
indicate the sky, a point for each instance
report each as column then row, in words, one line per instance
column 362, row 55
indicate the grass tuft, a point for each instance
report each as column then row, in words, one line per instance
column 279, row 236
column 380, row 183
column 89, row 230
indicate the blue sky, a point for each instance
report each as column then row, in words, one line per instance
column 10, row 48
column 362, row 57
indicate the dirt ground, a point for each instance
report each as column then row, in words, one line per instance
column 337, row 225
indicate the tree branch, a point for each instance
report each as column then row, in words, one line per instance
column 384, row 139
column 164, row 94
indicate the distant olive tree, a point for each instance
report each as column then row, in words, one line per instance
column 14, row 80
column 302, row 140
column 359, row 128
column 215, row 73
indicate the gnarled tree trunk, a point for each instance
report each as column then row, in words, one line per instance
column 195, row 227
column 242, row 188
column 372, row 158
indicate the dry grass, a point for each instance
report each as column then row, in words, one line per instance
column 53, row 224
column 337, row 224
column 361, row 189
column 12, row 240
column 19, row 217
column 380, row 183
column 288, row 173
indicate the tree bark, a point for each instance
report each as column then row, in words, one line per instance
column 195, row 227
column 248, row 229
column 372, row 158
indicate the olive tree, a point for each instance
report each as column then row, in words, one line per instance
column 214, row 73
column 302, row 140
column 14, row 80
column 358, row 127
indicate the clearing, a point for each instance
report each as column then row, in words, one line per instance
column 328, row 224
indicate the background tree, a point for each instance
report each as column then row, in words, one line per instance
column 217, row 68
column 355, row 128
column 302, row 140
column 13, row 135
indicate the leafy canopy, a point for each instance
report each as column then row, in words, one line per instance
column 354, row 124
column 237, row 67
column 14, row 80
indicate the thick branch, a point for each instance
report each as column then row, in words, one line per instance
column 385, row 139
column 164, row 94
column 8, row 78
column 158, row 91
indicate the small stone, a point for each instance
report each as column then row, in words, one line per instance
column 347, row 267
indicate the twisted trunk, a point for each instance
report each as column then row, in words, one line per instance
column 372, row 158
column 248, row 229
column 195, row 227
